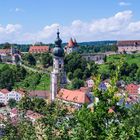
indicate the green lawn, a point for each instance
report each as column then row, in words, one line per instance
column 133, row 58
column 44, row 83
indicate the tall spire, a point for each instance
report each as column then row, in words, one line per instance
column 58, row 50
column 58, row 33
column 58, row 41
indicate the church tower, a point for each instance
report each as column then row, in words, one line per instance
column 58, row 75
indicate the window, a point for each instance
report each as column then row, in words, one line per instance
column 59, row 65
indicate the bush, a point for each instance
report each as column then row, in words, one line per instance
column 12, row 103
column 70, row 75
column 77, row 83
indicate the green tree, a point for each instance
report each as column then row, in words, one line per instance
column 12, row 103
column 138, row 76
column 46, row 60
column 70, row 75
column 77, row 83
column 78, row 74
column 30, row 59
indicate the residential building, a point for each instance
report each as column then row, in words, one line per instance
column 128, row 46
column 33, row 116
column 5, row 95
column 30, row 115
column 90, row 83
column 132, row 89
column 11, row 55
column 74, row 97
column 72, row 46
column 102, row 86
column 39, row 49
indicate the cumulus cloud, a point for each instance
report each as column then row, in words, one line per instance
column 9, row 32
column 119, row 26
column 122, row 3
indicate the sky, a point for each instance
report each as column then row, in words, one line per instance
column 30, row 21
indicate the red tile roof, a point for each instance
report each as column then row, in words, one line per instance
column 4, row 91
column 5, row 51
column 39, row 49
column 14, row 111
column 128, row 42
column 132, row 89
column 76, row 96
column 21, row 92
column 34, row 115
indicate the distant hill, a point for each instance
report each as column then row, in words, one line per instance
column 98, row 43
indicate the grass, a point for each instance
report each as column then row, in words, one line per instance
column 44, row 83
column 129, row 58
column 133, row 58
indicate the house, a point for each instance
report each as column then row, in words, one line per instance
column 74, row 97
column 102, row 86
column 33, row 116
column 5, row 95
column 30, row 115
column 71, row 47
column 11, row 55
column 13, row 112
column 107, row 83
column 90, row 83
column 120, row 84
column 39, row 49
column 4, row 53
column 132, row 89
column 128, row 46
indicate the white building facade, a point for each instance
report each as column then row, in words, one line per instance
column 6, row 95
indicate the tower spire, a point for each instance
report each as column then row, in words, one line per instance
column 58, row 33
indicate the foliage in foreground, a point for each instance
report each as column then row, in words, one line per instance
column 105, row 121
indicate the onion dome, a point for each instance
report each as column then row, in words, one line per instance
column 58, row 50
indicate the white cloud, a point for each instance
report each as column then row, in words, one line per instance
column 122, row 3
column 17, row 10
column 120, row 26
column 10, row 32
column 10, row 28
column 134, row 27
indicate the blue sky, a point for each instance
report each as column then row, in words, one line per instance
column 25, row 21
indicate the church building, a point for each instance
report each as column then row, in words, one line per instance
column 58, row 75
column 59, row 80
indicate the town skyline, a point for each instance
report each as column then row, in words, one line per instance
column 21, row 22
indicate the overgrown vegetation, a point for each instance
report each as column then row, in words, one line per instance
column 97, row 49
column 129, row 71
column 105, row 120
column 18, row 77
column 78, row 69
